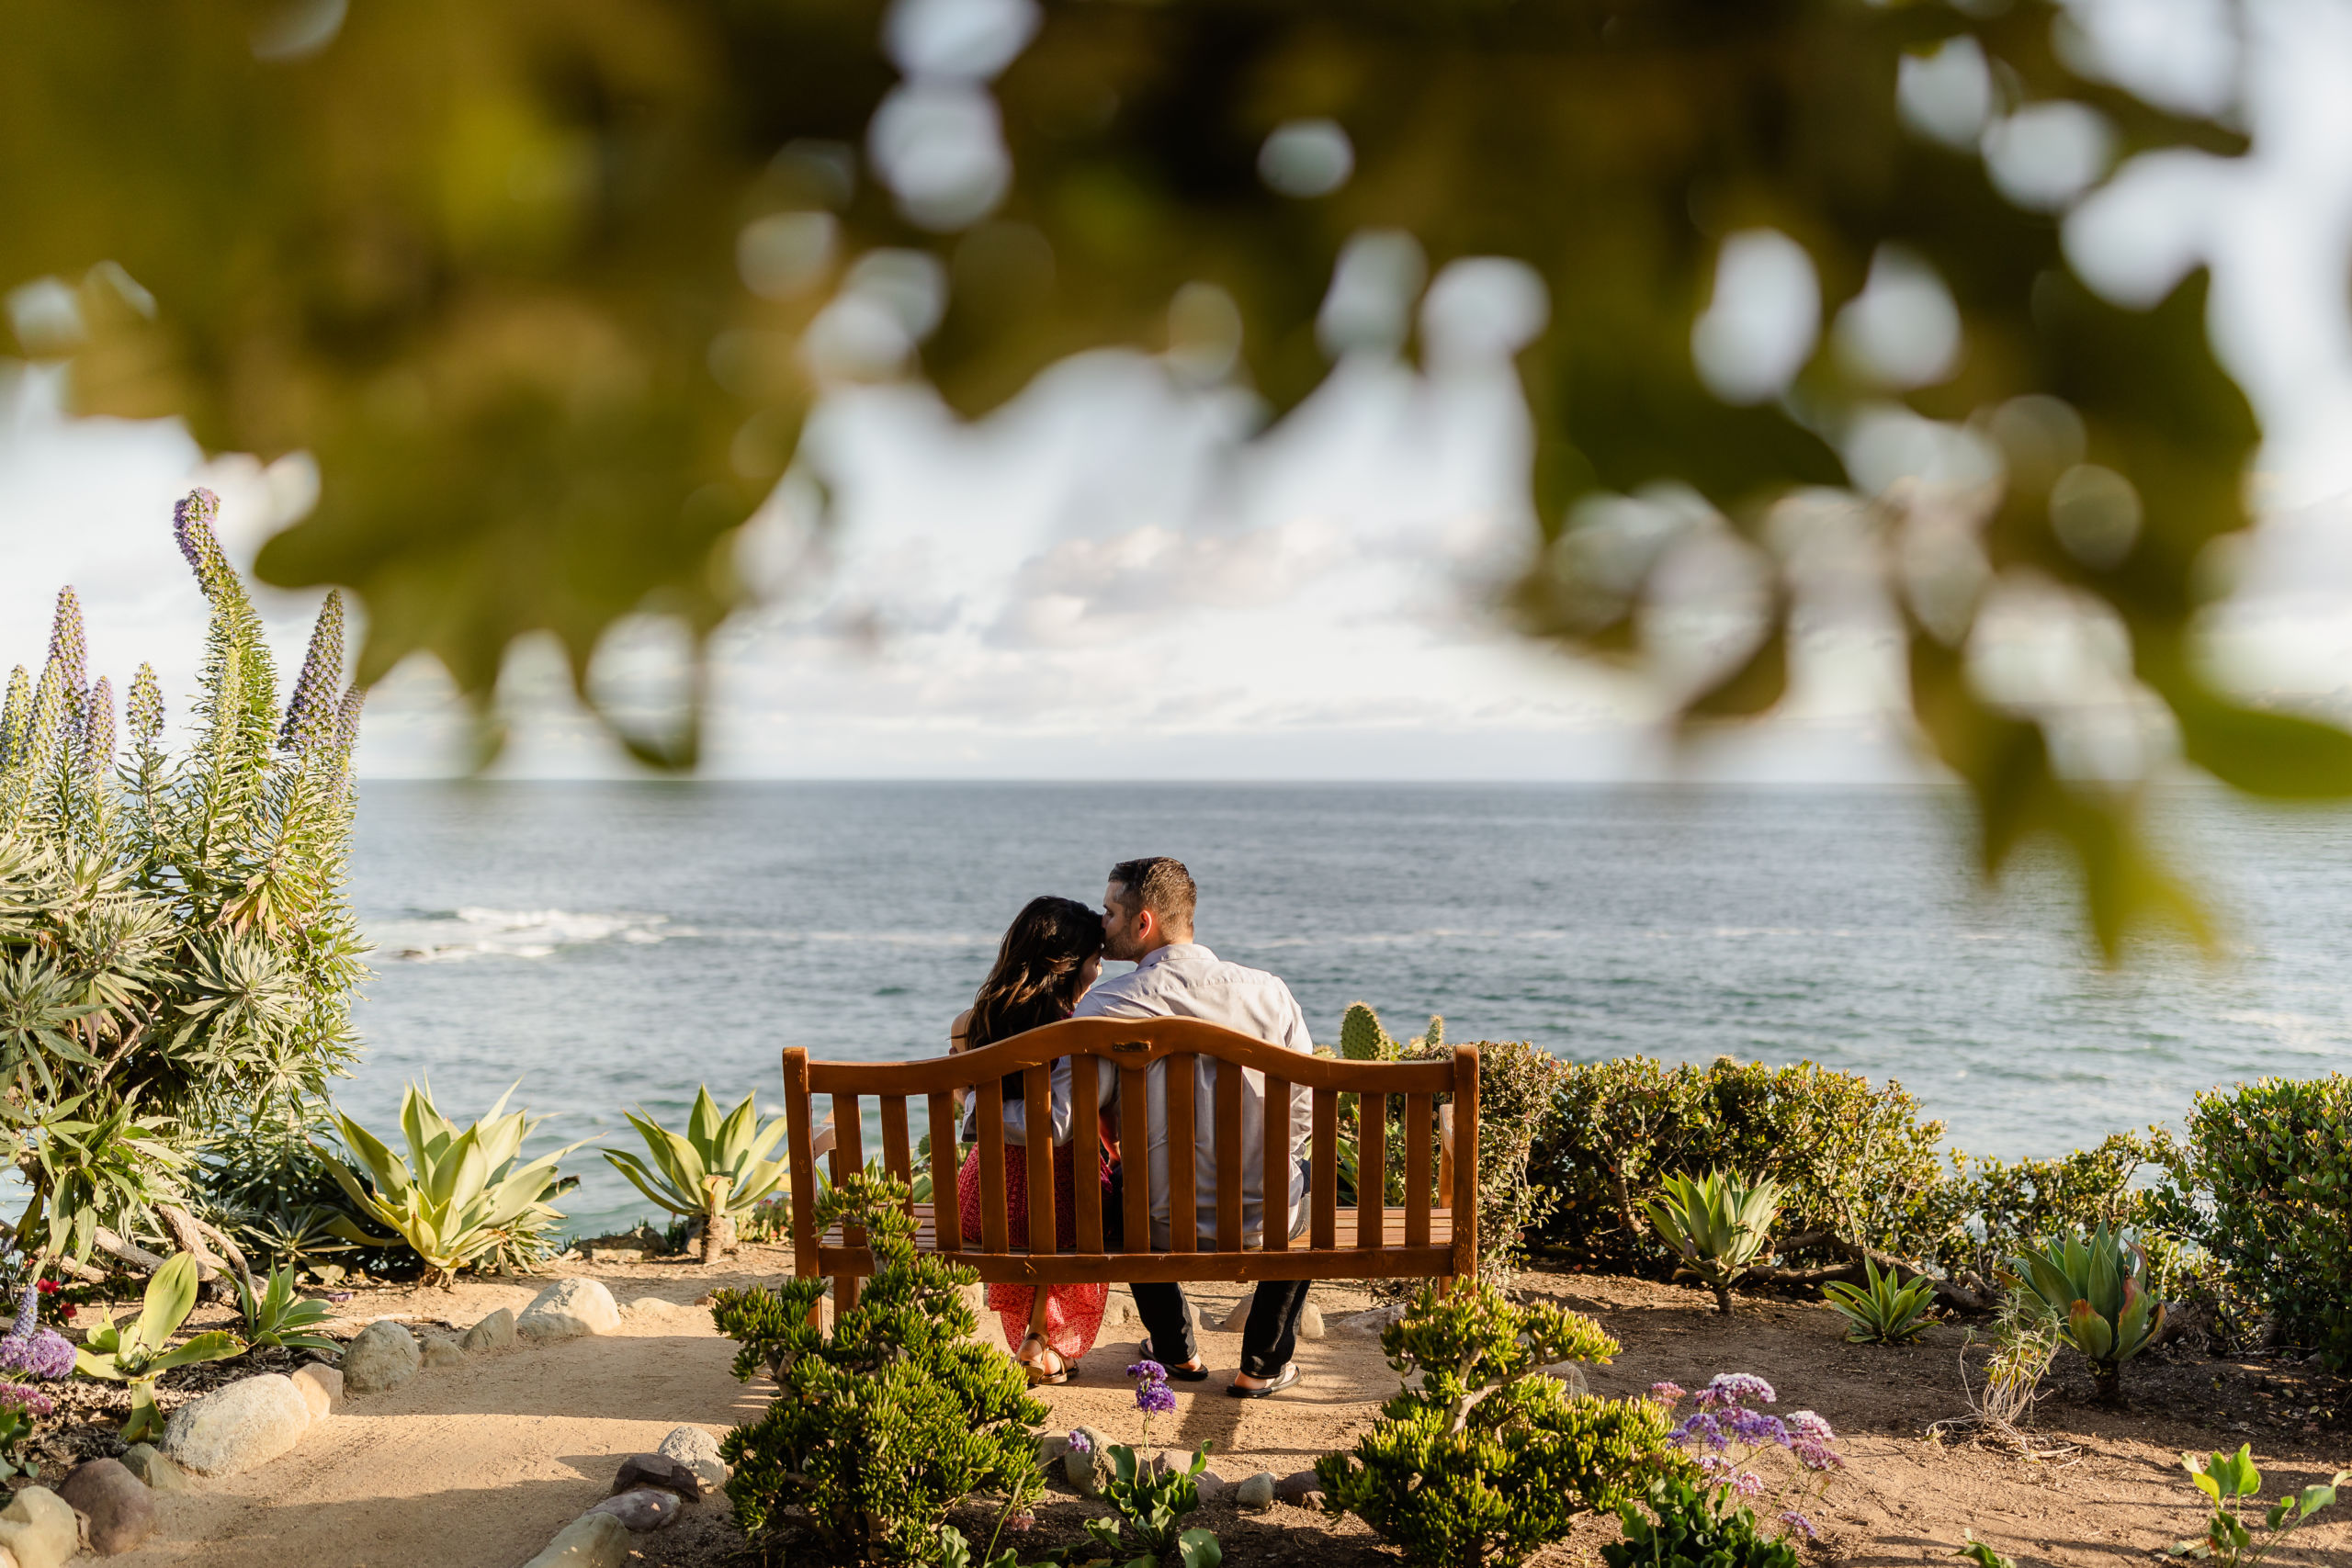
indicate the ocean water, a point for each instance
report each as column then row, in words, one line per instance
column 613, row 945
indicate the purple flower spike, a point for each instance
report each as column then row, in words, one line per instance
column 68, row 646
column 146, row 706
column 1154, row 1398
column 192, row 526
column 310, row 713
column 97, row 730
column 1798, row 1523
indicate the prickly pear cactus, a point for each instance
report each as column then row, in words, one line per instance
column 1361, row 1037
column 1432, row 1042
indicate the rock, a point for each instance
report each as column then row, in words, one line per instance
column 383, row 1356
column 1085, row 1471
column 1369, row 1324
column 442, row 1350
column 1256, row 1493
column 617, row 1255
column 1239, row 1318
column 567, row 1309
column 160, row 1473
column 698, row 1452
column 231, row 1430
column 1296, row 1484
column 39, row 1530
column 322, row 1389
column 594, row 1539
column 1310, row 1322
column 654, row 1306
column 640, row 1471
column 495, row 1332
column 1311, row 1501
column 1051, row 1447
column 647, row 1508
column 1211, row 1488
column 120, row 1509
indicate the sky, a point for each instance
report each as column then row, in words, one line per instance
column 1116, row 575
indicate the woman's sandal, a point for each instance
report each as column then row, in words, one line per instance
column 1041, row 1374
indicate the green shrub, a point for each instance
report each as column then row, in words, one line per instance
column 2262, row 1182
column 1855, row 1161
column 1490, row 1459
column 1682, row 1528
column 2233, row 1486
column 1991, row 1210
column 883, row 1423
column 1718, row 1226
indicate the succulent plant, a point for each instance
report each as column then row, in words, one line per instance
column 135, row 1353
column 1718, row 1224
column 1882, row 1310
column 1361, row 1037
column 2092, row 1287
column 715, row 1173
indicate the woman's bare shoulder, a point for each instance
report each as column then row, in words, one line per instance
column 957, row 1031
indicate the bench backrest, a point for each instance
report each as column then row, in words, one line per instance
column 1133, row 1046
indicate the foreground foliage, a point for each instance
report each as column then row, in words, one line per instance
column 883, row 1422
column 460, row 1198
column 603, row 329
column 1676, row 1525
column 1881, row 1310
column 178, row 951
column 2233, row 1484
column 1490, row 1457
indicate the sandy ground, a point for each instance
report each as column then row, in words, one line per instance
column 476, row 1466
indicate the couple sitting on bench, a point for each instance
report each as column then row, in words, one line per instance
column 1045, row 972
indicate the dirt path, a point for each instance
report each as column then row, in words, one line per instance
column 475, row 1466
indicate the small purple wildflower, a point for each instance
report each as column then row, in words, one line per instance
column 27, row 1399
column 1154, row 1398
column 1748, row 1483
column 1754, row 1427
column 1080, row 1443
column 1671, row 1393
column 1699, row 1430
column 1804, row 1423
column 1798, row 1523
column 1150, row 1371
column 1735, row 1388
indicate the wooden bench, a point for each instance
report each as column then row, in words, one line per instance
column 1433, row 1236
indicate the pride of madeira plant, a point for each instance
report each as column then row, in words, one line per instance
column 1491, row 1457
column 889, row 1418
column 176, row 951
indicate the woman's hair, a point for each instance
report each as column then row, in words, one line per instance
column 1036, row 981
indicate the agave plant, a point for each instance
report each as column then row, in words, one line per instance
column 2092, row 1287
column 461, row 1197
column 277, row 1316
column 1719, row 1226
column 135, row 1354
column 714, row 1174
column 1882, row 1310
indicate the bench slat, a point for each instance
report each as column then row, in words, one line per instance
column 1184, row 1183
column 943, row 1148
column 1086, row 1150
column 1274, row 1218
column 848, row 1160
column 1349, row 1236
column 801, row 1139
column 1372, row 1160
column 898, row 1156
column 1135, row 1159
column 992, row 1222
column 1228, row 1157
column 1323, row 1175
column 1417, row 1169
column 1466, row 1161
column 1037, row 1097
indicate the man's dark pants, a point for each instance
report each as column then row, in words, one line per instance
column 1267, row 1342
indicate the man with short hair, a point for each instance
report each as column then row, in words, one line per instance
column 1147, row 920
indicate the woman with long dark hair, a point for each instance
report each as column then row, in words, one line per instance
column 1050, row 955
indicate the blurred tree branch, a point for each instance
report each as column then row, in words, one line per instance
column 547, row 286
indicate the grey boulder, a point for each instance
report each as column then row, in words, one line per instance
column 698, row 1452
column 39, row 1528
column 382, row 1356
column 1255, row 1492
column 1297, row 1484
column 120, row 1509
column 647, row 1508
column 567, row 1309
column 1211, row 1488
column 231, row 1430
column 1085, row 1468
column 495, row 1332
column 442, row 1350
